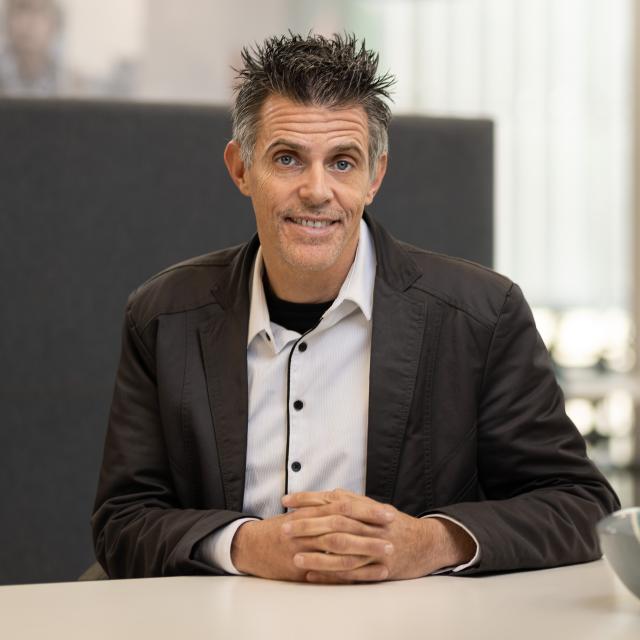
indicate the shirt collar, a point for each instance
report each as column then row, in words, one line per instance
column 357, row 287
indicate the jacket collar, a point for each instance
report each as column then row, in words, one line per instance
column 395, row 265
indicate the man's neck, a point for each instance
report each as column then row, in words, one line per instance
column 306, row 290
column 310, row 287
column 296, row 316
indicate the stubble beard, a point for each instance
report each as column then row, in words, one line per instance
column 300, row 255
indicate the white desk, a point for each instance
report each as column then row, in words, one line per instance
column 579, row 602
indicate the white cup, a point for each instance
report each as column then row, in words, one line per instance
column 619, row 535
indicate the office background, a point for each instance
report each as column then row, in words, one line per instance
column 559, row 79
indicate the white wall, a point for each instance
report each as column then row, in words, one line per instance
column 100, row 33
column 191, row 46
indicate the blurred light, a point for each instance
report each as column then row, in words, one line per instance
column 547, row 324
column 616, row 414
column 580, row 339
column 621, row 451
column 583, row 337
column 617, row 328
column 622, row 362
column 582, row 413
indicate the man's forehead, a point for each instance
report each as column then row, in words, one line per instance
column 281, row 117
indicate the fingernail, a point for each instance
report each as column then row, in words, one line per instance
column 286, row 527
column 384, row 574
column 388, row 549
column 298, row 560
column 389, row 516
column 285, row 500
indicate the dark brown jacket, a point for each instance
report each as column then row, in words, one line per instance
column 465, row 415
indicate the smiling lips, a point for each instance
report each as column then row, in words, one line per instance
column 315, row 224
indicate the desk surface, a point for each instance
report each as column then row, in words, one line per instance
column 581, row 602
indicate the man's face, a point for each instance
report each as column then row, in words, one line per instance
column 309, row 182
column 31, row 26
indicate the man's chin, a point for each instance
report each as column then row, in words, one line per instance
column 312, row 258
column 311, row 266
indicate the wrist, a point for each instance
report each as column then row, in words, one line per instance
column 241, row 547
column 444, row 544
column 454, row 544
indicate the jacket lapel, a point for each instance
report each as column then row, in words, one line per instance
column 223, row 341
column 396, row 344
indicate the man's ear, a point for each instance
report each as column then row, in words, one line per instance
column 374, row 186
column 236, row 167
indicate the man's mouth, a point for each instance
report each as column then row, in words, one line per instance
column 315, row 224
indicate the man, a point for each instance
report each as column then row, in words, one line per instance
column 31, row 63
column 322, row 354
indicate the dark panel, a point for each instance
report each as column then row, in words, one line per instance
column 95, row 198
column 438, row 192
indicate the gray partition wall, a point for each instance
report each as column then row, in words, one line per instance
column 95, row 198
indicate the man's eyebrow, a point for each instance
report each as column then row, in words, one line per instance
column 347, row 147
column 289, row 144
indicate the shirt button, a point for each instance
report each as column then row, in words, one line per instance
column 296, row 466
column 298, row 404
column 302, row 346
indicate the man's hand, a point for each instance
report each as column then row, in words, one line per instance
column 337, row 536
column 420, row 545
column 269, row 548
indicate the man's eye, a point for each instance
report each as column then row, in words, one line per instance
column 343, row 165
column 285, row 160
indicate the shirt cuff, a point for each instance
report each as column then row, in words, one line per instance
column 476, row 558
column 215, row 549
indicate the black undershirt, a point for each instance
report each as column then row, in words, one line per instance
column 296, row 316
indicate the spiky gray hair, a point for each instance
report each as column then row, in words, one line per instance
column 331, row 72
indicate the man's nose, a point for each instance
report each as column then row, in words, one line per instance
column 315, row 189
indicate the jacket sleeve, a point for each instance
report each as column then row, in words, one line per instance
column 139, row 527
column 543, row 495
